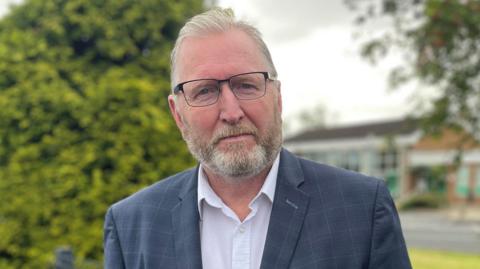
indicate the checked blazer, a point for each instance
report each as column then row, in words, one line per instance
column 322, row 217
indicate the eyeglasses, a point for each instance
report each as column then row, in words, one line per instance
column 205, row 92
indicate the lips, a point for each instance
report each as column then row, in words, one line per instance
column 237, row 136
column 233, row 137
column 233, row 133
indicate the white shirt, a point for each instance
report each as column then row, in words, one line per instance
column 226, row 242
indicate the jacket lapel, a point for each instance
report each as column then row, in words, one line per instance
column 288, row 213
column 186, row 231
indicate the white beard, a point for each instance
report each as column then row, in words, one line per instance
column 237, row 161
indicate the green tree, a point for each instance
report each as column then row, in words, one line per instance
column 84, row 119
column 440, row 41
column 308, row 118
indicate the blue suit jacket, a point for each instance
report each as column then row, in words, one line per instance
column 322, row 217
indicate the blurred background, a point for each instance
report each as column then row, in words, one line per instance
column 388, row 88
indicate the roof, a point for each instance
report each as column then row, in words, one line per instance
column 385, row 128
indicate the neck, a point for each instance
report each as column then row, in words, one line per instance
column 237, row 193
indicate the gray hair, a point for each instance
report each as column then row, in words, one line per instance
column 217, row 20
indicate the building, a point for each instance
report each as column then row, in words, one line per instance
column 400, row 153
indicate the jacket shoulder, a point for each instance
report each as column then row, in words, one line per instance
column 162, row 194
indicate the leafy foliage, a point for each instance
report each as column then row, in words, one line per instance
column 423, row 201
column 306, row 119
column 440, row 40
column 83, row 118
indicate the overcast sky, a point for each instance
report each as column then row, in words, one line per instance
column 318, row 62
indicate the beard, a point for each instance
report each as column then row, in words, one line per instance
column 236, row 160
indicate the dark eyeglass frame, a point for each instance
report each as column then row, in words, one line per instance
column 267, row 76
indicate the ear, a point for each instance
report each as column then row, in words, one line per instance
column 279, row 96
column 174, row 110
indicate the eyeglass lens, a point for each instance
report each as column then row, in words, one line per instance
column 206, row 91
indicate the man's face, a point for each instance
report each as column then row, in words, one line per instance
column 233, row 138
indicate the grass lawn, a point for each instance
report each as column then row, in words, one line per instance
column 433, row 259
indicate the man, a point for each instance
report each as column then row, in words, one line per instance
column 249, row 203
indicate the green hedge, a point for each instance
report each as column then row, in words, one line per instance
column 84, row 119
column 426, row 200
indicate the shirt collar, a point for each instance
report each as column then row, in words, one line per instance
column 205, row 191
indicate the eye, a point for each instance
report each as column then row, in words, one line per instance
column 247, row 86
column 204, row 92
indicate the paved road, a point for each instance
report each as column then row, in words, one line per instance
column 434, row 230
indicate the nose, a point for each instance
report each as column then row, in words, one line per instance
column 231, row 111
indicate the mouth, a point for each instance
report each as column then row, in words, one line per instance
column 232, row 138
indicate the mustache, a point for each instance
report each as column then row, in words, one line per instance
column 228, row 131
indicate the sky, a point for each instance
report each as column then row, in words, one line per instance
column 319, row 64
column 317, row 59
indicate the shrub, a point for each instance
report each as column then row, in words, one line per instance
column 424, row 200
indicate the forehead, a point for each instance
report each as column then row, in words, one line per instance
column 219, row 55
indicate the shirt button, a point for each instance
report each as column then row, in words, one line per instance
column 241, row 230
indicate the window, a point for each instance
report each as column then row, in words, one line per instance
column 388, row 161
column 353, row 161
column 347, row 159
column 477, row 183
column 461, row 187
